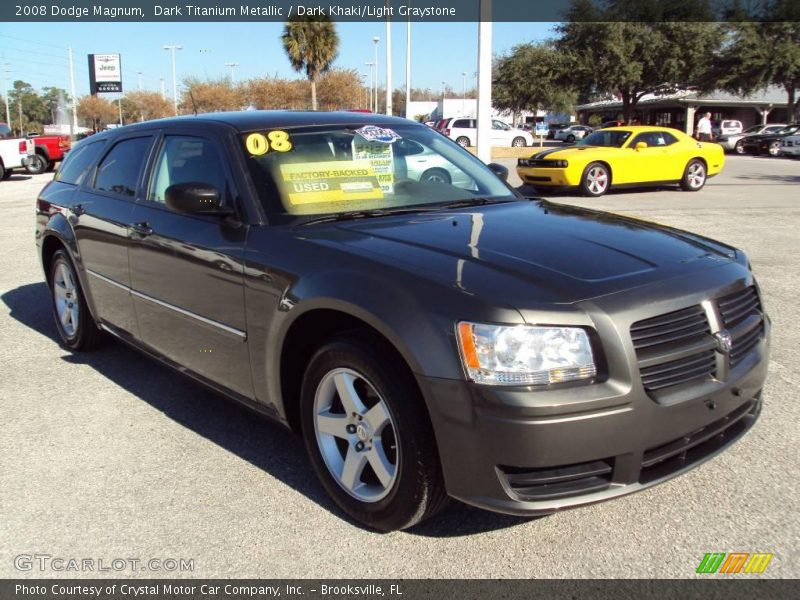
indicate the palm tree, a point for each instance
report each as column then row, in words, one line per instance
column 311, row 43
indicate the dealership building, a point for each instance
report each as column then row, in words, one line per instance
column 681, row 110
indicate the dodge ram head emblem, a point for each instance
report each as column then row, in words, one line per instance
column 724, row 341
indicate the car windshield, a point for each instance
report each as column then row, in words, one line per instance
column 606, row 138
column 330, row 170
column 788, row 130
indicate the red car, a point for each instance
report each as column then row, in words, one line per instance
column 49, row 150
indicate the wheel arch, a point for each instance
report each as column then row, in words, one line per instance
column 606, row 164
column 58, row 236
column 313, row 328
column 40, row 149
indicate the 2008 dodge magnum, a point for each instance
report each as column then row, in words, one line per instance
column 428, row 331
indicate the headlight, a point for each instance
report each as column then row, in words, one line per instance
column 563, row 164
column 525, row 354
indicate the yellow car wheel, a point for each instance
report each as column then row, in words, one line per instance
column 694, row 176
column 595, row 180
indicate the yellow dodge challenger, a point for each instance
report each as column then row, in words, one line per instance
column 625, row 156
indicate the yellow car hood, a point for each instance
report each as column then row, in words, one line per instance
column 577, row 152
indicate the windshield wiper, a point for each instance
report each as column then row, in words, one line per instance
column 367, row 214
column 472, row 202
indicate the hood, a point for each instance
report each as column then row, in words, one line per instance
column 525, row 252
column 586, row 152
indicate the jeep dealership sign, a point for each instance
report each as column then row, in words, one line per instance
column 105, row 73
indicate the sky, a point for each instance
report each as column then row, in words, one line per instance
column 441, row 52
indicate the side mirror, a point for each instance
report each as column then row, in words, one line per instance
column 194, row 198
column 640, row 145
column 499, row 170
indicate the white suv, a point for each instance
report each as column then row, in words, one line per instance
column 465, row 133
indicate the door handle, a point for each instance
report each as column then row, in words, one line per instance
column 142, row 228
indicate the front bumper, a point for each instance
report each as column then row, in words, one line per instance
column 524, row 452
column 548, row 177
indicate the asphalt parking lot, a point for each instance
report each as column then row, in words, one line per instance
column 107, row 455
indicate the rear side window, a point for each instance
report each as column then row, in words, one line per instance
column 119, row 171
column 78, row 161
column 462, row 124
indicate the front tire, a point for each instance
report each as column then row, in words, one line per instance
column 518, row 142
column 570, row 139
column 694, row 176
column 595, row 180
column 75, row 324
column 774, row 148
column 739, row 148
column 36, row 164
column 463, row 141
column 369, row 436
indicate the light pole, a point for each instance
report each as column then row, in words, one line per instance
column 376, row 39
column 408, row 68
column 139, row 82
column 232, row 66
column 163, row 93
column 370, row 65
column 174, row 47
column 388, row 61
column 464, row 93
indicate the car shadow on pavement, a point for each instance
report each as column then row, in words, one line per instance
column 18, row 177
column 263, row 443
column 772, row 179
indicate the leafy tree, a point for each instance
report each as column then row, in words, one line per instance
column 144, row 106
column 211, row 95
column 311, row 43
column 96, row 112
column 276, row 93
column 529, row 78
column 756, row 55
column 339, row 89
column 56, row 99
column 670, row 49
column 23, row 98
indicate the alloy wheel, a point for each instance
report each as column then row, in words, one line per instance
column 696, row 175
column 65, row 296
column 355, row 433
column 597, row 180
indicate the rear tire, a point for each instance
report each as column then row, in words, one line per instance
column 595, row 180
column 3, row 172
column 774, row 148
column 518, row 142
column 75, row 324
column 739, row 148
column 435, row 175
column 570, row 139
column 36, row 164
column 694, row 176
column 462, row 141
column 368, row 434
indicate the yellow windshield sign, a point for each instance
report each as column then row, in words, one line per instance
column 332, row 181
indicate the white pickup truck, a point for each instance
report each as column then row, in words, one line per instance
column 14, row 152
